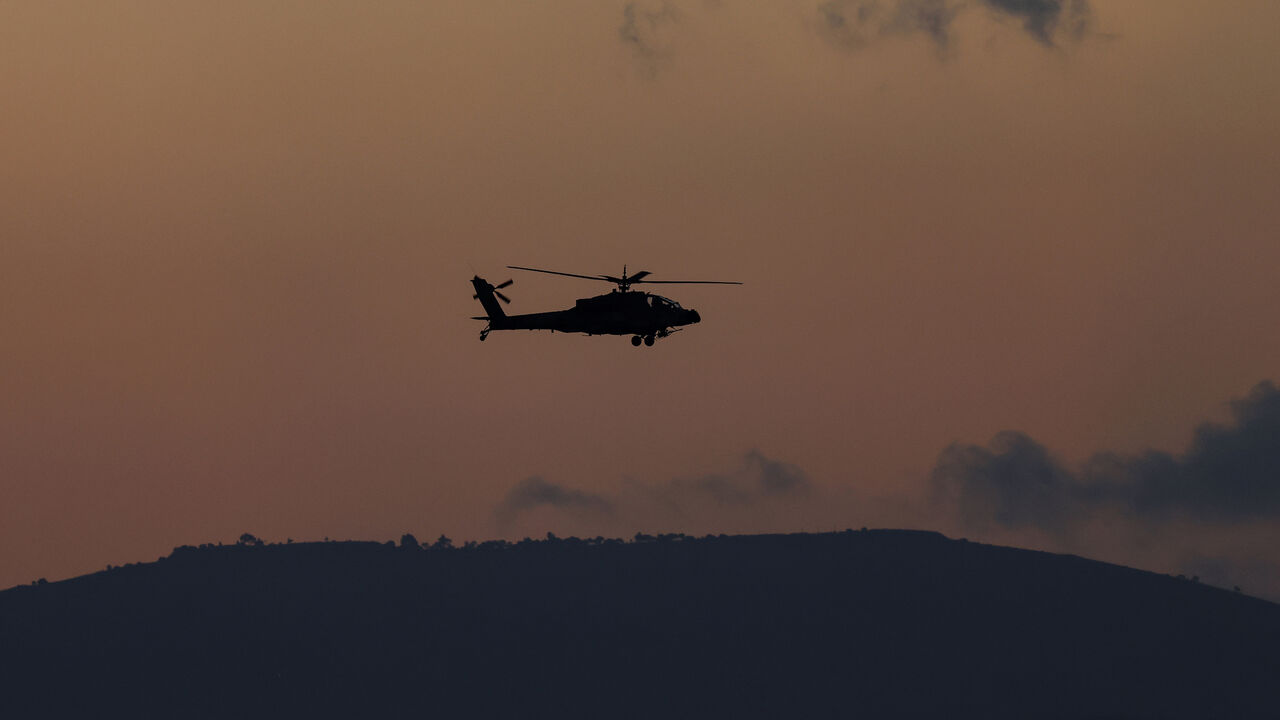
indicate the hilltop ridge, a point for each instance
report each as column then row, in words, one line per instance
column 888, row 623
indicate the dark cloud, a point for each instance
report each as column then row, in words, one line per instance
column 851, row 23
column 1044, row 19
column 758, row 478
column 776, row 477
column 535, row 492
column 932, row 17
column 644, row 29
column 1014, row 482
column 1230, row 472
column 855, row 23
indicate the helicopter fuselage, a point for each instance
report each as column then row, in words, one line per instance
column 643, row 315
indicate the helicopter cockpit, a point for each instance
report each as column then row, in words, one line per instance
column 657, row 301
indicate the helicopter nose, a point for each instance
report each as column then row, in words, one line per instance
column 694, row 316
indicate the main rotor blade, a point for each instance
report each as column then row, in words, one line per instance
column 502, row 297
column 553, row 272
column 637, row 278
column 688, row 282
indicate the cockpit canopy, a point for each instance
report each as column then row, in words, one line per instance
column 658, row 301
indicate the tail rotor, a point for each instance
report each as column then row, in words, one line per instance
column 495, row 289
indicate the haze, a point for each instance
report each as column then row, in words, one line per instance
column 236, row 239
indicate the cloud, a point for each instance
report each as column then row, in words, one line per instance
column 1014, row 483
column 932, row 17
column 759, row 487
column 645, row 29
column 535, row 492
column 1230, row 472
column 759, row 478
column 850, row 23
column 854, row 24
column 1210, row 511
column 1043, row 19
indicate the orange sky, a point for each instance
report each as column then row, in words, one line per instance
column 235, row 240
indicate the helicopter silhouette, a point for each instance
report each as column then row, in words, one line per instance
column 644, row 316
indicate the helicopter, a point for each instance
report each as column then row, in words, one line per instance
column 622, row 311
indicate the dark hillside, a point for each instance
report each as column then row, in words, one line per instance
column 871, row 623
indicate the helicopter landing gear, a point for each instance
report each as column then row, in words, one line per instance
column 648, row 340
column 635, row 340
column 484, row 334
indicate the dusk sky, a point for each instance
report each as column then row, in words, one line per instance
column 236, row 240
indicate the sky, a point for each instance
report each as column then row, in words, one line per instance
column 1008, row 273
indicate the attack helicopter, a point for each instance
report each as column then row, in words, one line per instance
column 646, row 317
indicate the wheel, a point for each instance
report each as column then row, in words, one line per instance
column 648, row 340
column 636, row 341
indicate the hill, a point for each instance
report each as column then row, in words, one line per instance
column 877, row 623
